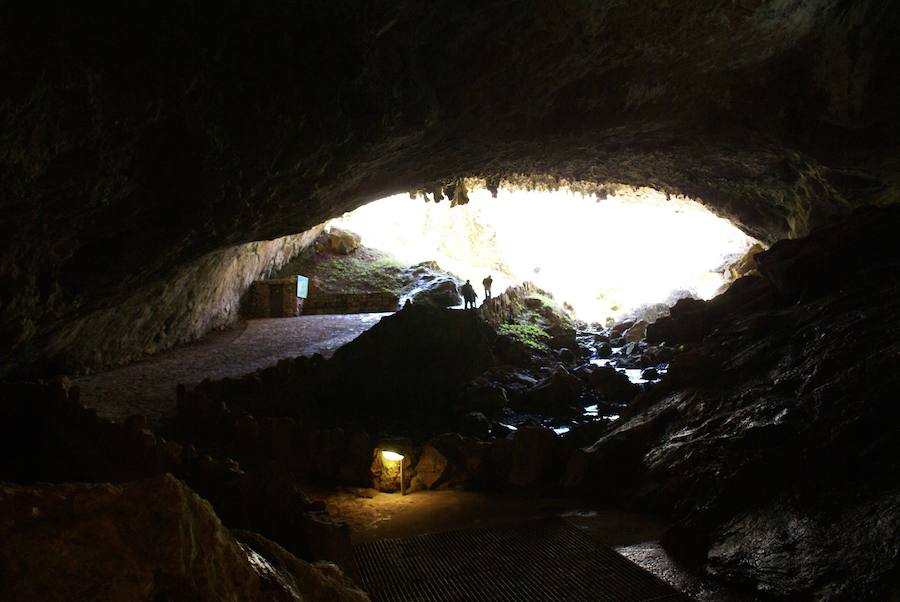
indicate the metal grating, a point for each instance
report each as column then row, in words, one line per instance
column 539, row 560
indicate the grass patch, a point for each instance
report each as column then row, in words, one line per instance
column 363, row 271
column 531, row 335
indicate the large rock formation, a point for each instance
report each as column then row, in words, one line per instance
column 143, row 541
column 138, row 140
column 409, row 369
column 773, row 440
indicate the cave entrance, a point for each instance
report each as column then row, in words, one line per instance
column 634, row 252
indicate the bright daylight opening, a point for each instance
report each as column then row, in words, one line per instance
column 606, row 258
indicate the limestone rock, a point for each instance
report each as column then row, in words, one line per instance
column 440, row 293
column 533, row 450
column 431, row 466
column 144, row 540
column 475, row 424
column 611, row 384
column 342, row 242
column 487, row 398
column 558, row 391
column 636, row 332
column 317, row 582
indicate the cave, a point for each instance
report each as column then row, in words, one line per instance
column 165, row 168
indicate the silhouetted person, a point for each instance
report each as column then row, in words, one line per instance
column 468, row 294
column 487, row 282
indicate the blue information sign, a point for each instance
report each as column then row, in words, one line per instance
column 302, row 286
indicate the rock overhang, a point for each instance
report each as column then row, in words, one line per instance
column 140, row 142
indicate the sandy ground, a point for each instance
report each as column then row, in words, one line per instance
column 148, row 387
column 373, row 516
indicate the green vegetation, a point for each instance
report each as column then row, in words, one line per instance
column 362, row 271
column 531, row 335
column 545, row 300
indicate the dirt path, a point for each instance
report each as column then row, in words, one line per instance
column 148, row 387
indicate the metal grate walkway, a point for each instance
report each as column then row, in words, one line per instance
column 539, row 560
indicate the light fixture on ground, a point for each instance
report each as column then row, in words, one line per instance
column 393, row 456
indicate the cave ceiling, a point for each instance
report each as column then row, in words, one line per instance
column 142, row 137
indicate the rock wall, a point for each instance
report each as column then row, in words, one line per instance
column 155, row 315
column 773, row 440
column 138, row 140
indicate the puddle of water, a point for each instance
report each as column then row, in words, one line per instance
column 509, row 426
column 561, row 430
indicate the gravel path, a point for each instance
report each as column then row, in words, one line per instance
column 148, row 387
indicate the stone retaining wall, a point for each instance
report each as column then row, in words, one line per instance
column 349, row 303
column 259, row 300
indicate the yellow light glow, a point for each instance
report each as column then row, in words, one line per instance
column 392, row 456
column 604, row 257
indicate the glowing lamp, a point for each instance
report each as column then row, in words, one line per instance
column 393, row 456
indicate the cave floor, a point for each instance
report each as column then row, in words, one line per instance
column 374, row 516
column 148, row 387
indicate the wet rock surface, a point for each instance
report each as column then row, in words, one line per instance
column 778, row 428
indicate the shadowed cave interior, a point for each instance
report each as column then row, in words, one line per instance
column 177, row 426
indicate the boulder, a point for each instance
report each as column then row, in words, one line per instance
column 431, row 468
column 317, row 582
column 604, row 350
column 386, row 473
column 475, row 424
column 746, row 264
column 342, row 242
column 452, row 460
column 565, row 355
column 637, row 332
column 612, row 385
column 413, row 365
column 439, row 293
column 142, row 541
column 511, row 350
column 650, row 374
column 619, row 329
column 563, row 337
column 533, row 452
column 560, row 390
column 487, row 398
